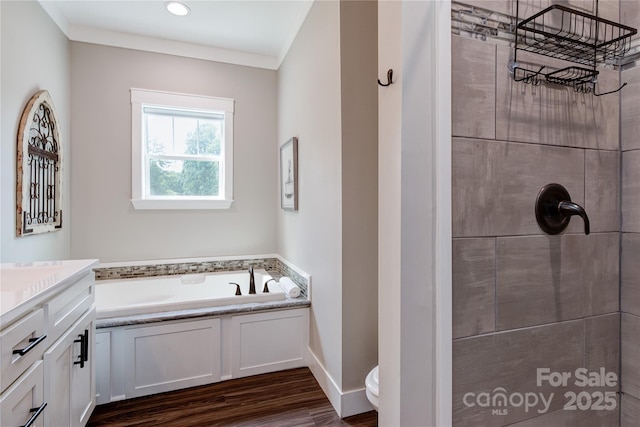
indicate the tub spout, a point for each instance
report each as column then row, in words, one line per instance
column 252, row 282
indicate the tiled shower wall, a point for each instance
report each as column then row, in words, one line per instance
column 630, row 292
column 523, row 299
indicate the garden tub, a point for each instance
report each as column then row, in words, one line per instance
column 129, row 297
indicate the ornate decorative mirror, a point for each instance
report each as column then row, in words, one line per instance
column 39, row 168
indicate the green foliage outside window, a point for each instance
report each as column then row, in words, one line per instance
column 189, row 177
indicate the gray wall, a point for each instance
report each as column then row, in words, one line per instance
column 35, row 56
column 309, row 108
column 358, row 78
column 630, row 292
column 106, row 226
column 327, row 97
column 522, row 299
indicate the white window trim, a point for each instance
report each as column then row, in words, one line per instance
column 140, row 97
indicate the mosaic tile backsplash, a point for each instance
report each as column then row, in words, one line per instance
column 274, row 266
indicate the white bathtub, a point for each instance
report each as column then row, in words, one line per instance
column 126, row 297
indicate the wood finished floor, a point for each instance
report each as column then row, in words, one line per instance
column 290, row 398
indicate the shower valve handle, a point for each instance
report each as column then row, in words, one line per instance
column 554, row 209
column 568, row 208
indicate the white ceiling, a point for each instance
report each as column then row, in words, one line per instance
column 256, row 33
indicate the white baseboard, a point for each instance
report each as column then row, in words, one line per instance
column 355, row 402
column 346, row 404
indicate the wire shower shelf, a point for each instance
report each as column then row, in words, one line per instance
column 571, row 35
column 564, row 33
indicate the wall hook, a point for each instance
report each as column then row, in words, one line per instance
column 389, row 78
column 554, row 209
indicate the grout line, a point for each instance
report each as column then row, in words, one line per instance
column 620, row 237
column 538, row 143
column 523, row 328
column 495, row 284
column 495, row 94
column 584, row 170
column 584, row 342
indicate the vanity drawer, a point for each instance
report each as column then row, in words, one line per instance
column 23, row 401
column 63, row 310
column 26, row 336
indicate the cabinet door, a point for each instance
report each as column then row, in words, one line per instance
column 83, row 379
column 23, row 400
column 57, row 368
column 269, row 341
column 69, row 385
column 171, row 356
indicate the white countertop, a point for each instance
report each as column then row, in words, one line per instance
column 23, row 285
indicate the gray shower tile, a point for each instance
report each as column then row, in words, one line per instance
column 630, row 297
column 630, row 108
column 599, row 256
column 574, row 4
column 510, row 360
column 473, row 99
column 577, row 418
column 473, row 286
column 533, row 283
column 544, row 279
column 630, row 349
column 630, row 411
column 586, row 6
column 630, row 14
column 602, row 192
column 602, row 346
column 607, row 9
column 631, row 191
column 555, row 115
column 530, row 7
column 495, row 185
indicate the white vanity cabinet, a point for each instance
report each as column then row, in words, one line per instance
column 47, row 338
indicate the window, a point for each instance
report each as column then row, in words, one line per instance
column 182, row 151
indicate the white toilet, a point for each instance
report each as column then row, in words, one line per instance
column 371, row 383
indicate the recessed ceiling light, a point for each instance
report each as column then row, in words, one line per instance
column 177, row 8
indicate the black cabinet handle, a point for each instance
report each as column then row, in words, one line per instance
column 36, row 414
column 86, row 345
column 34, row 342
column 84, row 349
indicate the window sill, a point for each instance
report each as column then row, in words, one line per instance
column 180, row 204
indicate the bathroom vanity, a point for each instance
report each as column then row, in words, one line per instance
column 47, row 342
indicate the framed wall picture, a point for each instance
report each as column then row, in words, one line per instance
column 289, row 175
